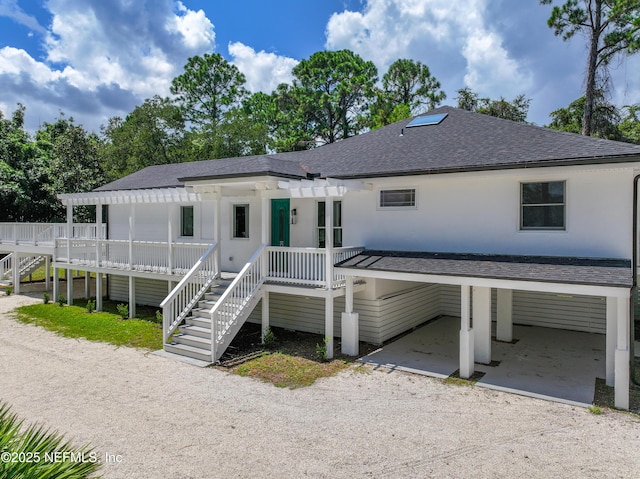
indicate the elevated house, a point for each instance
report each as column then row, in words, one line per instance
column 450, row 213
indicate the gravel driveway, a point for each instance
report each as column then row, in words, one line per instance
column 158, row 418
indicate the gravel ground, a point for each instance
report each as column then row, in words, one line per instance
column 161, row 418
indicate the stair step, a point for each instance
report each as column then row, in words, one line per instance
column 195, row 341
column 196, row 331
column 198, row 321
column 189, row 351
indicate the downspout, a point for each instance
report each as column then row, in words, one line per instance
column 634, row 284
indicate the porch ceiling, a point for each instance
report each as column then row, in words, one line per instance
column 589, row 272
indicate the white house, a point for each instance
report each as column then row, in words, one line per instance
column 450, row 213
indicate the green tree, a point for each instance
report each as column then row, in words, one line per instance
column 605, row 118
column 612, row 27
column 333, row 91
column 630, row 123
column 152, row 134
column 515, row 110
column 209, row 87
column 409, row 82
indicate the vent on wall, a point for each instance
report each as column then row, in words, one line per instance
column 427, row 120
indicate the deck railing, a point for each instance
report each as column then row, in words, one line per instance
column 306, row 266
column 45, row 234
column 188, row 291
column 143, row 256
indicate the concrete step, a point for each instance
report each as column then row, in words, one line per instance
column 196, row 331
column 195, row 341
column 189, row 351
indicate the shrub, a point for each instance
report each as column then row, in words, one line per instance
column 8, row 291
column 46, row 298
column 91, row 306
column 269, row 339
column 123, row 310
column 159, row 317
column 321, row 349
column 61, row 300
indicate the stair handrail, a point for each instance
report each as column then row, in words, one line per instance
column 253, row 270
column 179, row 302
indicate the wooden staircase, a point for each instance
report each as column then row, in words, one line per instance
column 194, row 336
column 28, row 264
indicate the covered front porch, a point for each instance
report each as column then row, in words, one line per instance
column 486, row 290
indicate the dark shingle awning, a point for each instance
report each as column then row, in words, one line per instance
column 549, row 269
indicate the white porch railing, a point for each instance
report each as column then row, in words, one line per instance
column 236, row 303
column 306, row 266
column 143, row 256
column 188, row 292
column 45, row 233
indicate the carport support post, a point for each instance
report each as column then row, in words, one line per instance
column 69, row 237
column 132, row 297
column 265, row 314
column 47, row 275
column 350, row 326
column 466, row 334
column 56, row 283
column 16, row 273
column 621, row 388
column 482, row 324
column 328, row 250
column 612, row 319
column 504, row 313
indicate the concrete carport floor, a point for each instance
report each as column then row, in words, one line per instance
column 541, row 362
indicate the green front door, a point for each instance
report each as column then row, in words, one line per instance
column 280, row 222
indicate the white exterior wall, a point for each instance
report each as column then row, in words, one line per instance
column 480, row 213
column 236, row 251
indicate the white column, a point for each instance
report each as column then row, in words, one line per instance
column 612, row 338
column 56, row 284
column 217, row 226
column 265, row 313
column 69, row 231
column 328, row 236
column 350, row 323
column 328, row 323
column 504, row 315
column 69, row 286
column 466, row 334
column 87, row 288
column 132, row 297
column 132, row 231
column 16, row 272
column 482, row 324
column 621, row 388
column 47, row 275
column 98, row 291
column 170, row 240
column 265, row 219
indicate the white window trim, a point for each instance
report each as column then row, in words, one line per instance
column 180, row 235
column 544, row 229
column 233, row 222
column 397, row 208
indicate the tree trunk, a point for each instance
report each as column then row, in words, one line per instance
column 591, row 68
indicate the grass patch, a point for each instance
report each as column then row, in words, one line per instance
column 458, row 381
column 597, row 410
column 287, row 371
column 75, row 322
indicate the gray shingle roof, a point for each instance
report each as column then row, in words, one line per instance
column 586, row 271
column 463, row 141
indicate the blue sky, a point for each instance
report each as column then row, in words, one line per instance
column 96, row 59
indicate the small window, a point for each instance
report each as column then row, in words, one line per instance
column 337, row 224
column 186, row 221
column 405, row 198
column 240, row 221
column 542, row 205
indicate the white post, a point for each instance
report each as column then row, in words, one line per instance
column 504, row 313
column 132, row 297
column 350, row 322
column 482, row 324
column 217, row 225
column 170, row 241
column 266, row 222
column 328, row 242
column 265, row 313
column 69, row 230
column 99, row 237
column 87, row 286
column 328, row 323
column 56, row 284
column 612, row 320
column 621, row 388
column 16, row 272
column 466, row 334
column 98, row 291
column 47, row 274
column 69, row 286
column 132, row 226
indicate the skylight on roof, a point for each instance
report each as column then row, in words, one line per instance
column 427, row 120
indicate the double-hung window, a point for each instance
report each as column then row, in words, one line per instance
column 240, row 221
column 337, row 224
column 186, row 221
column 542, row 205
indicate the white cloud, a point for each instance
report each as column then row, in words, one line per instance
column 10, row 8
column 110, row 54
column 453, row 38
column 263, row 71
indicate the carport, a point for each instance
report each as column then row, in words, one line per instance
column 489, row 347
